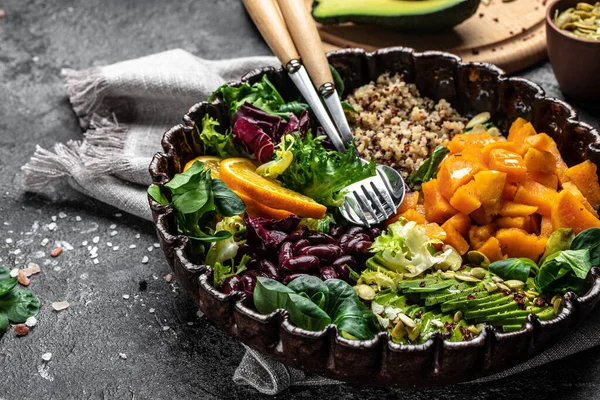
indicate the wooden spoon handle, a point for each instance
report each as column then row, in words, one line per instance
column 269, row 21
column 304, row 32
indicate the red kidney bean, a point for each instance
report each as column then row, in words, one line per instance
column 355, row 230
column 255, row 272
column 247, row 284
column 344, row 260
column 245, row 249
column 336, row 231
column 288, row 278
column 328, row 273
column 344, row 239
column 301, row 264
column 285, row 251
column 252, row 264
column 296, row 235
column 357, row 238
column 270, row 269
column 231, row 284
column 327, row 252
column 374, row 232
column 300, row 244
column 344, row 274
column 320, row 238
column 361, row 247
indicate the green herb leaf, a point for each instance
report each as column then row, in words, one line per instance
column 294, row 107
column 156, row 194
column 7, row 282
column 269, row 295
column 338, row 82
column 193, row 200
column 227, row 202
column 589, row 239
column 563, row 271
column 306, row 314
column 19, row 304
column 311, row 285
column 428, row 170
column 214, row 142
column 188, row 180
column 319, row 225
column 3, row 323
column 513, row 268
column 559, row 240
column 348, row 107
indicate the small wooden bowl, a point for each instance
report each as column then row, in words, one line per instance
column 575, row 61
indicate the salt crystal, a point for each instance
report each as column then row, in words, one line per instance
column 145, row 260
column 132, row 246
column 31, row 322
column 123, row 356
column 118, row 215
column 89, row 247
column 150, row 248
column 199, row 314
column 190, row 323
column 66, row 245
column 93, row 255
column 157, row 245
column 47, row 356
column 137, row 235
column 16, row 251
column 32, row 269
column 54, row 218
column 14, row 272
column 60, row 305
column 9, row 240
column 44, row 242
column 151, row 310
column 6, row 223
column 96, row 239
column 166, row 328
column 109, row 244
column 78, row 218
column 115, row 248
column 113, row 233
column 56, row 269
column 155, row 277
column 62, row 215
column 126, row 296
column 112, row 226
column 52, row 226
column 96, row 261
column 84, row 243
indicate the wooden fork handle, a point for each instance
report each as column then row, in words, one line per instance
column 269, row 21
column 304, row 33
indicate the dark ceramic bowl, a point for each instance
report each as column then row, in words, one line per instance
column 575, row 61
column 471, row 88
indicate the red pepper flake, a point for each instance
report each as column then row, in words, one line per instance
column 470, row 296
column 418, row 315
column 422, row 284
column 21, row 330
column 540, row 302
column 22, row 278
column 507, row 292
column 56, row 252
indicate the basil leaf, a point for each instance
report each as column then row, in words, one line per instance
column 589, row 239
column 7, row 282
column 269, row 295
column 559, row 240
column 156, row 194
column 428, row 170
column 226, row 201
column 563, row 271
column 513, row 268
column 3, row 323
column 19, row 304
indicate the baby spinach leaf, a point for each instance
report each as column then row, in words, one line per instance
column 19, row 304
column 339, row 292
column 559, row 240
column 513, row 268
column 306, row 314
column 311, row 285
column 7, row 282
column 563, row 271
column 192, row 200
column 269, row 295
column 294, row 107
column 3, row 323
column 428, row 170
column 156, row 194
column 227, row 202
column 589, row 239
column 187, row 180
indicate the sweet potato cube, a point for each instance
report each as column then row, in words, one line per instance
column 568, row 212
column 517, row 243
column 509, row 191
column 540, row 161
column 515, row 126
column 492, row 249
column 548, row 180
column 536, row 194
column 414, row 215
column 518, row 135
column 512, row 209
column 506, row 145
column 434, row 231
column 460, row 222
column 455, row 239
column 410, row 201
column 478, row 235
column 561, row 166
column 455, row 171
column 459, row 142
column 585, row 177
column 490, row 185
column 515, row 222
column 509, row 162
column 465, row 198
column 437, row 208
column 570, row 186
column 481, row 217
column 541, row 141
column 546, row 227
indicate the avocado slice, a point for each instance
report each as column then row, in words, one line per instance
column 481, row 303
column 512, row 328
column 402, row 15
column 431, row 288
column 476, row 293
column 481, row 315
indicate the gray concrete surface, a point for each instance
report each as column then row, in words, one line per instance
column 171, row 353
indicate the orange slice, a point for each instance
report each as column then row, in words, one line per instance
column 256, row 209
column 211, row 162
column 240, row 175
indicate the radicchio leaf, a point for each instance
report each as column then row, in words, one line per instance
column 294, row 124
column 268, row 231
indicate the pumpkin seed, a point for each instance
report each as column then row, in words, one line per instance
column 514, row 284
column 448, row 274
column 556, row 302
column 466, row 278
column 493, row 131
column 365, row 292
column 437, row 323
column 478, row 272
column 399, row 331
column 585, row 6
column 457, row 316
column 490, row 286
column 413, row 333
column 503, row 287
column 478, row 258
column 480, row 118
column 384, row 322
column 497, row 279
column 407, row 320
column 473, row 329
column 581, row 21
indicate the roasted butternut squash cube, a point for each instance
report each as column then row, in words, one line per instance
column 517, row 243
column 509, row 162
column 478, row 235
column 505, row 145
column 489, row 186
column 465, row 198
column 585, row 177
column 481, row 217
column 414, row 215
column 512, row 209
column 437, row 208
column 568, row 212
column 459, row 142
column 546, row 226
column 540, row 161
column 536, row 194
column 410, row 201
column 455, row 171
column 541, row 141
column 509, row 191
column 455, row 239
column 434, row 231
column 491, row 249
column 548, row 180
column 519, row 135
column 515, row 126
column 515, row 222
column 460, row 222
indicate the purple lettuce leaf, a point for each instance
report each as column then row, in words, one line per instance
column 265, row 231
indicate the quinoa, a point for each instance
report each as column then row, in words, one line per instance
column 398, row 127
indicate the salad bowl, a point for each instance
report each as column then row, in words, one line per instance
column 471, row 88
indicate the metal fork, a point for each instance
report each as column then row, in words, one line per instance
column 290, row 32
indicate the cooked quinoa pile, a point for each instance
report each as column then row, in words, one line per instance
column 397, row 126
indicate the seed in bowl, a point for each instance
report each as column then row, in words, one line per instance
column 397, row 126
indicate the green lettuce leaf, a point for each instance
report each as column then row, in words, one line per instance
column 215, row 143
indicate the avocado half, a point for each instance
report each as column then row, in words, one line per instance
column 418, row 16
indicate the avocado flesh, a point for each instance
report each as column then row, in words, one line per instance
column 482, row 303
column 444, row 298
column 479, row 314
column 403, row 15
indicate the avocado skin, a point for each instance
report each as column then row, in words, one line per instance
column 428, row 22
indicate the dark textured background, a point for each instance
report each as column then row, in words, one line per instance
column 171, row 353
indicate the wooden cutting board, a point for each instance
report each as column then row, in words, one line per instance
column 509, row 34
